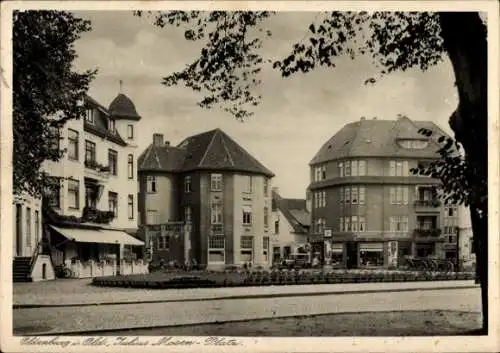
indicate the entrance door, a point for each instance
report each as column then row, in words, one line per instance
column 351, row 254
column 19, row 231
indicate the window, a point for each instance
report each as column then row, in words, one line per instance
column 361, row 195
column 113, row 161
column 246, row 248
column 347, row 226
column 266, row 186
column 216, row 252
column 371, row 254
column 347, row 169
column 354, row 195
column 398, row 195
column 347, row 194
column 265, row 248
column 248, row 184
column 130, row 165
column 73, row 194
column 341, row 169
column 151, row 187
column 216, row 182
column 28, row 226
column 89, row 153
column 113, row 202
column 472, row 246
column 37, row 225
column 354, row 223
column 362, row 168
column 130, row 206
column 398, row 224
column 266, row 217
column 398, row 168
column 323, row 172
column 73, row 144
column 277, row 227
column 362, row 224
column 53, row 192
column 354, row 168
column 111, row 125
column 341, row 224
column 320, row 198
column 187, row 215
column 163, row 242
column 247, row 215
column 89, row 116
column 130, row 131
column 320, row 225
column 216, row 213
column 187, row 184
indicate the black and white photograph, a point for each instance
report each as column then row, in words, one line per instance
column 250, row 176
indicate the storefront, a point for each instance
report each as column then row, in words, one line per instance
column 371, row 255
column 336, row 255
column 425, row 249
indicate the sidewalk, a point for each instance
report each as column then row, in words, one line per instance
column 62, row 293
column 96, row 319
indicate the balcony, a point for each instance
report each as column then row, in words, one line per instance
column 91, row 214
column 216, row 229
column 426, row 233
column 427, row 205
column 96, row 170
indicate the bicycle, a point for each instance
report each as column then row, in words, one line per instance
column 62, row 271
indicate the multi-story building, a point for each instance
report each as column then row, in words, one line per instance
column 466, row 251
column 368, row 206
column 92, row 207
column 206, row 200
column 290, row 232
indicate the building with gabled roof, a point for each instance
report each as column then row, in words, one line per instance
column 368, row 208
column 291, row 220
column 206, row 199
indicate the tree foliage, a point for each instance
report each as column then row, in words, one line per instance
column 47, row 92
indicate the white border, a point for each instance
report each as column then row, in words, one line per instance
column 356, row 344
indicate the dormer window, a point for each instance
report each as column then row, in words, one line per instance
column 413, row 144
column 89, row 116
column 111, row 125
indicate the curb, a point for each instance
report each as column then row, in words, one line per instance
column 153, row 327
column 240, row 297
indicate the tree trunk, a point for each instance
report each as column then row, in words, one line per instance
column 464, row 36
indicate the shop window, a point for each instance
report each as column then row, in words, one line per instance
column 371, row 254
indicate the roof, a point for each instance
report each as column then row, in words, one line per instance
column 161, row 158
column 378, row 138
column 122, row 107
column 211, row 150
column 100, row 126
column 294, row 210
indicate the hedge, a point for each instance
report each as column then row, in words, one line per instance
column 265, row 278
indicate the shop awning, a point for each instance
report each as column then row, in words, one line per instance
column 101, row 236
column 371, row 247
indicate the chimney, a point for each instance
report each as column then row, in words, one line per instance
column 158, row 140
column 363, row 118
column 167, row 143
column 374, row 118
column 276, row 190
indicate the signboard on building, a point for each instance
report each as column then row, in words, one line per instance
column 328, row 233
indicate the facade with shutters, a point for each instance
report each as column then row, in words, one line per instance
column 206, row 200
column 372, row 209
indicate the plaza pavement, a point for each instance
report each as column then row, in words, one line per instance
column 92, row 319
column 79, row 292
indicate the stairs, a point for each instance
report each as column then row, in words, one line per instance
column 21, row 269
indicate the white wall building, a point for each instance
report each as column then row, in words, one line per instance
column 88, row 216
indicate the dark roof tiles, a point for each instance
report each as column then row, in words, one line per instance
column 377, row 138
column 294, row 210
column 211, row 150
column 123, row 108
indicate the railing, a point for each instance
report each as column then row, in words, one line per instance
column 435, row 232
column 91, row 214
column 427, row 203
column 97, row 169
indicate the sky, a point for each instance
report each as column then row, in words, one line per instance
column 297, row 115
